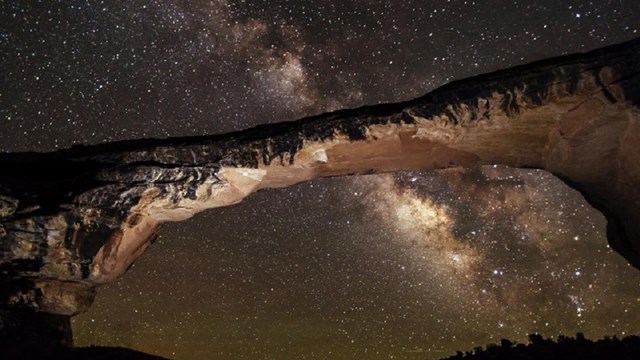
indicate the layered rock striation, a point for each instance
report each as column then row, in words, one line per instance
column 77, row 218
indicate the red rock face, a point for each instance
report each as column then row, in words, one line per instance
column 77, row 218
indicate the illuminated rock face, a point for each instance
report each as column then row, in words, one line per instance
column 76, row 218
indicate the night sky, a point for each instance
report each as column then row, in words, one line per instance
column 404, row 266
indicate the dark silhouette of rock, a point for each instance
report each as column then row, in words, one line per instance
column 83, row 353
column 24, row 332
column 76, row 218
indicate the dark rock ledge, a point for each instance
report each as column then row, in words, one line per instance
column 74, row 219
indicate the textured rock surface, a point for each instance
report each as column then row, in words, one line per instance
column 76, row 218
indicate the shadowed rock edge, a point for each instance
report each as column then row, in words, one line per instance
column 76, row 218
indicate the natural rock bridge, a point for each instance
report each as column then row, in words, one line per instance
column 74, row 219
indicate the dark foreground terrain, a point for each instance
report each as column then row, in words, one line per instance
column 538, row 348
column 84, row 353
column 564, row 348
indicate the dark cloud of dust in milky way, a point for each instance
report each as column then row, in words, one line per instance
column 405, row 266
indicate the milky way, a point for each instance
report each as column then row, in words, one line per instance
column 407, row 266
column 410, row 266
column 487, row 238
column 94, row 71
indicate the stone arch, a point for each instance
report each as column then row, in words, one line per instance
column 77, row 218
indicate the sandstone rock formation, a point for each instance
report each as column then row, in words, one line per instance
column 73, row 219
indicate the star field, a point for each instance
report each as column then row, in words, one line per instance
column 96, row 71
column 405, row 266
column 337, row 268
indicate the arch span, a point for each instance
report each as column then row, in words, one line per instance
column 77, row 218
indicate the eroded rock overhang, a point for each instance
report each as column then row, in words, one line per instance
column 76, row 218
